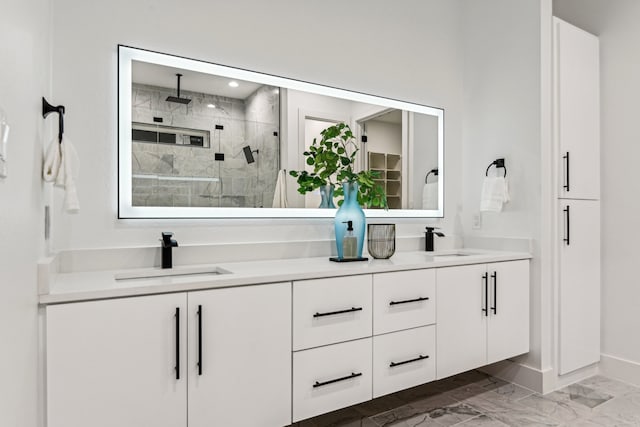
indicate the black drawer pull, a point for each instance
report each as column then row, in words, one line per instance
column 421, row 357
column 566, row 186
column 485, row 279
column 177, row 316
column 408, row 301
column 199, row 340
column 348, row 377
column 331, row 313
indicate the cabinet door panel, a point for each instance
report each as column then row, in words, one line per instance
column 508, row 333
column 462, row 325
column 112, row 363
column 577, row 66
column 404, row 299
column 579, row 305
column 246, row 356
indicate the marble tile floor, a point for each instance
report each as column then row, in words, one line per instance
column 475, row 399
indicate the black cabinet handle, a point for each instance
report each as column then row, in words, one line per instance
column 348, row 377
column 331, row 313
column 177, row 343
column 199, row 340
column 485, row 279
column 566, row 186
column 421, row 357
column 568, row 227
column 408, row 301
column 494, row 276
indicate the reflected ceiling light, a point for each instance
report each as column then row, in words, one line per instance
column 211, row 106
column 233, row 83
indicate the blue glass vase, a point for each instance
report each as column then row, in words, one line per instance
column 326, row 197
column 350, row 210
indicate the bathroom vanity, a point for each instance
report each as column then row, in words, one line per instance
column 289, row 339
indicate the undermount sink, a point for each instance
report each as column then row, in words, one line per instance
column 171, row 272
column 453, row 255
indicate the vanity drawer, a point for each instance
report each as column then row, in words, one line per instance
column 331, row 377
column 327, row 311
column 404, row 299
column 403, row 359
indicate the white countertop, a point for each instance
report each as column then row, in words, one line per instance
column 84, row 286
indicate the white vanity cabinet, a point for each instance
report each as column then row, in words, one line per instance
column 483, row 315
column 239, row 355
column 113, row 362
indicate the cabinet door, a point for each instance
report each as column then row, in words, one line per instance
column 577, row 118
column 403, row 299
column 579, row 302
column 113, row 363
column 462, row 323
column 240, row 356
column 508, row 333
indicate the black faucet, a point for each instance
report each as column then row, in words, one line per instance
column 167, row 244
column 428, row 238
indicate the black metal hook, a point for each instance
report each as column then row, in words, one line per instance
column 432, row 171
column 48, row 109
column 498, row 163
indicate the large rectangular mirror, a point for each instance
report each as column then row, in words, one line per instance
column 201, row 140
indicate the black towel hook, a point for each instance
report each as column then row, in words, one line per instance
column 432, row 171
column 48, row 109
column 498, row 163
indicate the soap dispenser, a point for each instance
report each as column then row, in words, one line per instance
column 349, row 243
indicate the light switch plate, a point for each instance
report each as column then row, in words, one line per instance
column 477, row 221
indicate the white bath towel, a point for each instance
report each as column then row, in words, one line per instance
column 495, row 193
column 61, row 168
column 430, row 196
column 280, row 194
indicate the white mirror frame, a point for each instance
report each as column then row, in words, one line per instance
column 126, row 209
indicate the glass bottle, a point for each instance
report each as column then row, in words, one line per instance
column 350, row 210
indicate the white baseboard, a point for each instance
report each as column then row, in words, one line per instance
column 575, row 376
column 523, row 375
column 622, row 369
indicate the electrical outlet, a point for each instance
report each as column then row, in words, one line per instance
column 477, row 221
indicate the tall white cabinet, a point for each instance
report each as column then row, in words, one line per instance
column 577, row 135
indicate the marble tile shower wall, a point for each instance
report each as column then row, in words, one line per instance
column 232, row 182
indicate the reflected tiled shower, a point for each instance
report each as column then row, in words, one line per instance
column 167, row 174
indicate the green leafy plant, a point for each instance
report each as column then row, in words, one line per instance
column 333, row 158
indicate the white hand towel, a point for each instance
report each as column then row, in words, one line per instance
column 495, row 193
column 430, row 196
column 51, row 162
column 280, row 194
column 61, row 167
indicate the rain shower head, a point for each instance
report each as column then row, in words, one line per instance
column 177, row 99
column 248, row 154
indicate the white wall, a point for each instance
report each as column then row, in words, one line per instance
column 24, row 77
column 616, row 23
column 502, row 119
column 416, row 58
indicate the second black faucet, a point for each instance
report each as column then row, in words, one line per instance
column 167, row 244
